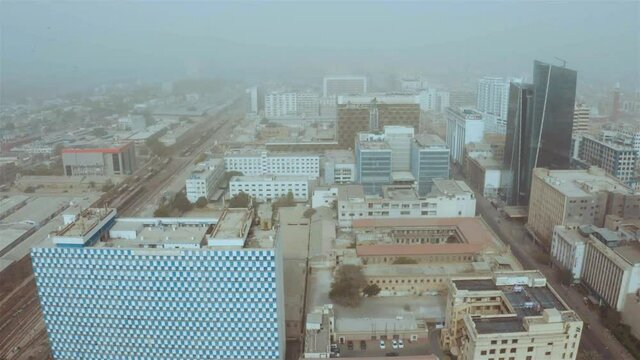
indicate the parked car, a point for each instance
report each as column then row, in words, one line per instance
column 363, row 345
column 401, row 344
column 382, row 344
column 394, row 344
column 350, row 345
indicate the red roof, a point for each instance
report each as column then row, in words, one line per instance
column 111, row 150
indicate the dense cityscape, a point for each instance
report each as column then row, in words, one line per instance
column 341, row 214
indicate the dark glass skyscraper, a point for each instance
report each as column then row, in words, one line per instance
column 539, row 123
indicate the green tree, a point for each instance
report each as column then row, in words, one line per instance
column 92, row 184
column 107, row 186
column 99, row 132
column 240, row 200
column 200, row 158
column 162, row 211
column 156, row 146
column 201, row 202
column 30, row 189
column 371, row 290
column 404, row 260
column 181, row 203
column 309, row 213
column 346, row 289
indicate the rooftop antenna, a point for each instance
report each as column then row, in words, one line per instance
column 564, row 62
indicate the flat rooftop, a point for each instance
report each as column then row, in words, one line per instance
column 374, row 145
column 268, row 178
column 400, row 194
column 204, row 169
column 495, row 325
column 85, row 222
column 449, row 187
column 157, row 236
column 488, row 163
column 475, row 284
column 346, row 192
column 577, row 183
column 340, row 156
column 631, row 253
column 427, row 140
column 232, row 224
column 402, row 176
column 417, row 270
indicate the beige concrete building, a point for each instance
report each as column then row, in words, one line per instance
column 580, row 119
column 511, row 315
column 576, row 197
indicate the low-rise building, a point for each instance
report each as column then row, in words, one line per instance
column 513, row 314
column 268, row 188
column 107, row 160
column 486, row 176
column 204, row 179
column 448, row 198
column 324, row 197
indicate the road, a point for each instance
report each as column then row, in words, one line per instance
column 595, row 337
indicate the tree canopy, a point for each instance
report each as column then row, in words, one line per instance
column 346, row 289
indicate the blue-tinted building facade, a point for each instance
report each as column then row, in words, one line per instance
column 140, row 303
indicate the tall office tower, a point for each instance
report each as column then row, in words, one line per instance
column 580, row 119
column 554, row 99
column 372, row 113
column 540, row 120
column 251, row 100
column 432, row 99
column 518, row 149
column 344, row 85
column 429, row 161
column 493, row 99
column 146, row 288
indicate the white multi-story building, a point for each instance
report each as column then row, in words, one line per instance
column 399, row 139
column 267, row 188
column 448, row 198
column 464, row 126
column 493, row 102
column 259, row 162
column 599, row 258
column 339, row 167
column 344, row 85
column 432, row 99
column 280, row 104
column 308, row 104
column 324, row 197
column 204, row 179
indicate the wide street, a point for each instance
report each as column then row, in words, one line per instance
column 595, row 336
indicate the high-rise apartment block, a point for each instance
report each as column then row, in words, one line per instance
column 540, row 121
column 576, row 197
column 429, row 161
column 372, row 113
column 617, row 160
column 280, row 104
column 344, row 85
column 165, row 288
column 432, row 99
column 258, row 162
column 464, row 126
column 493, row 102
column 510, row 315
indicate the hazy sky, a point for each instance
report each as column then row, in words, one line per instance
column 63, row 45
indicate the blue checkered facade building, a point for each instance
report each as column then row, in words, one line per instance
column 114, row 303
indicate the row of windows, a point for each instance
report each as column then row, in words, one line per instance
column 128, row 254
